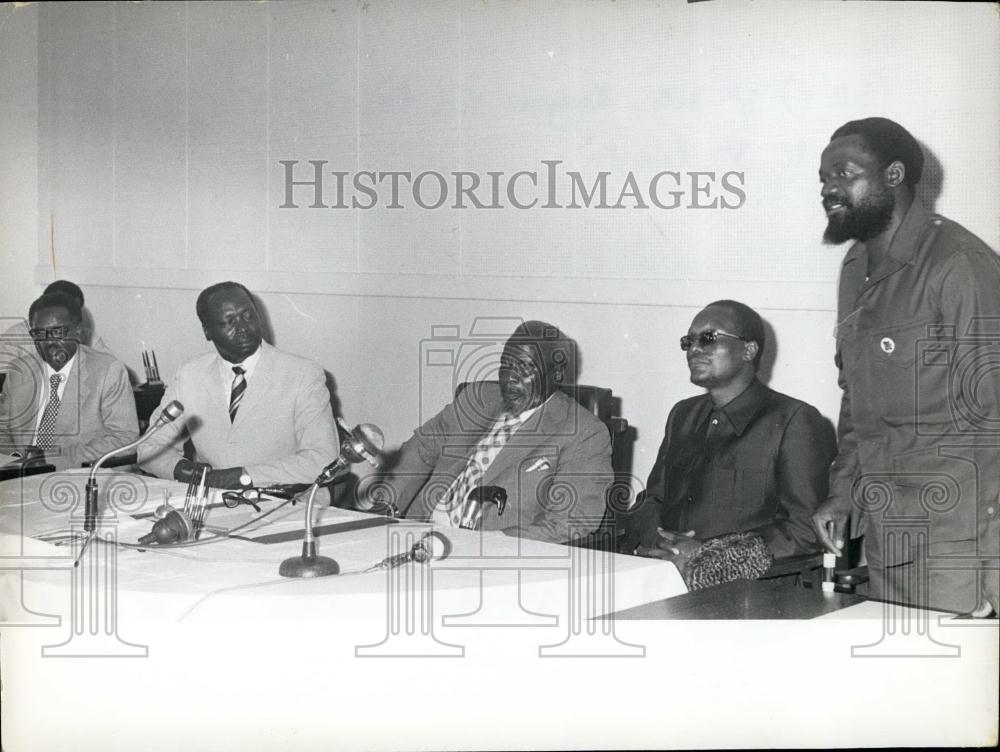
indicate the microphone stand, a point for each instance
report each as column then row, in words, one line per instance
column 309, row 564
column 169, row 413
column 362, row 443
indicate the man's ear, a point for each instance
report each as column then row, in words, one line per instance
column 750, row 350
column 895, row 173
column 205, row 330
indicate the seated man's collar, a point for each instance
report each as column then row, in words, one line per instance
column 744, row 408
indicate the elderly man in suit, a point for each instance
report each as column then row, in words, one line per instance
column 255, row 415
column 550, row 456
column 72, row 402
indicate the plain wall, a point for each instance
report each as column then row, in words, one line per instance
column 161, row 128
column 19, row 245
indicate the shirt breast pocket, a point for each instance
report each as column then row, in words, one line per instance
column 893, row 353
column 739, row 488
column 741, row 468
column 896, row 347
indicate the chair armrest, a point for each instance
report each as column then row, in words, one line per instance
column 617, row 425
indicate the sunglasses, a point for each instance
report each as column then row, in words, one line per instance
column 706, row 339
column 53, row 332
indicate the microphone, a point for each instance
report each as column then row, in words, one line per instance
column 433, row 546
column 364, row 442
column 170, row 412
column 281, row 490
column 175, row 526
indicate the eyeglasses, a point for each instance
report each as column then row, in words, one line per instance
column 706, row 339
column 52, row 332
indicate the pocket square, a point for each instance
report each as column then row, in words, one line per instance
column 539, row 464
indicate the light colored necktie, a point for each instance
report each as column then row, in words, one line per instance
column 236, row 394
column 47, row 428
column 461, row 511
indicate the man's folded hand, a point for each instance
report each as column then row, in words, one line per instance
column 672, row 546
column 187, row 470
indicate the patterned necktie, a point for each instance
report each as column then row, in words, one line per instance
column 47, row 428
column 461, row 511
column 236, row 394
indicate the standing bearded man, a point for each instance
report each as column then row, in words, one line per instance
column 918, row 348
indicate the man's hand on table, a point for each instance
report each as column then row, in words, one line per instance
column 187, row 471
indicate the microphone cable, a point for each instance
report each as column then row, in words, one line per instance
column 215, row 537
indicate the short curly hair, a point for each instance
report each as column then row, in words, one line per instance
column 748, row 322
column 889, row 142
column 72, row 305
column 205, row 297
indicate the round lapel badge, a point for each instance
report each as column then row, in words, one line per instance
column 888, row 346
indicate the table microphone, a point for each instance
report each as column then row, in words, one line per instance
column 432, row 546
column 364, row 442
column 175, row 526
column 170, row 412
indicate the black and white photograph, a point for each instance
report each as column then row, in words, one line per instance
column 499, row 375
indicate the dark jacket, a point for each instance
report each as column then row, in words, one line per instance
column 764, row 471
column 918, row 348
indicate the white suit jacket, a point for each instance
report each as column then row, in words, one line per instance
column 284, row 430
column 96, row 414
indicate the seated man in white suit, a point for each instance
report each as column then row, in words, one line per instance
column 551, row 457
column 255, row 415
column 71, row 402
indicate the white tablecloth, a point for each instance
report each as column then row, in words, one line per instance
column 208, row 648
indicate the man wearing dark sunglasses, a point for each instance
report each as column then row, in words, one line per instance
column 72, row 402
column 740, row 458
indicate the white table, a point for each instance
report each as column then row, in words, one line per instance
column 208, row 648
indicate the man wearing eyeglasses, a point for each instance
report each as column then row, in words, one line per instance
column 72, row 403
column 15, row 342
column 255, row 415
column 741, row 458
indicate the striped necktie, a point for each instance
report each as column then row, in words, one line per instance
column 236, row 394
column 456, row 499
column 47, row 427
